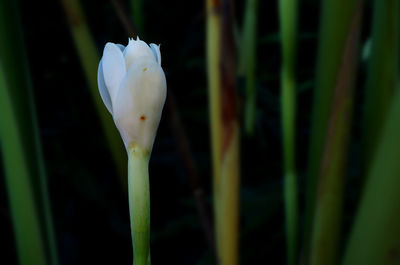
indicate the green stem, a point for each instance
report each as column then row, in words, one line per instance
column 25, row 219
column 328, row 206
column 288, row 22
column 336, row 17
column 382, row 72
column 89, row 58
column 374, row 239
column 213, row 61
column 21, row 147
column 139, row 203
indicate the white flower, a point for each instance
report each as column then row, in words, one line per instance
column 133, row 87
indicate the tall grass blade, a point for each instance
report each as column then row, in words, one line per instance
column 374, row 239
column 224, row 128
column 288, row 25
column 89, row 58
column 21, row 149
column 382, row 73
column 335, row 20
column 328, row 209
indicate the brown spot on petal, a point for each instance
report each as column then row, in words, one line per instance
column 143, row 118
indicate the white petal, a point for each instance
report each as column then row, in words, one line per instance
column 105, row 96
column 140, row 101
column 121, row 47
column 135, row 50
column 113, row 68
column 156, row 51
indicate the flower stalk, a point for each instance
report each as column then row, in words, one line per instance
column 139, row 203
column 133, row 88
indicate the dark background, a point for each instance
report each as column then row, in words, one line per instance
column 89, row 206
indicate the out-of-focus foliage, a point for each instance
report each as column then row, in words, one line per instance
column 24, row 171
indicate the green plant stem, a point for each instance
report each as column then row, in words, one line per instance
column 328, row 209
column 336, row 16
column 139, row 203
column 89, row 58
column 247, row 64
column 21, row 147
column 28, row 235
column 288, row 23
column 374, row 239
column 382, row 72
column 213, row 43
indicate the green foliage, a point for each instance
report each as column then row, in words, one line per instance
column 335, row 20
column 382, row 72
column 288, row 24
column 89, row 59
column 374, row 239
column 21, row 148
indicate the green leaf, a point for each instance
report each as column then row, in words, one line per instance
column 20, row 145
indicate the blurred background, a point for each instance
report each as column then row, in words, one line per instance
column 87, row 195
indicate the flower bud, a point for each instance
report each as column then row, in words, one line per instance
column 133, row 87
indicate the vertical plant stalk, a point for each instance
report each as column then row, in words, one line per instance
column 25, row 219
column 213, row 44
column 326, row 228
column 89, row 59
column 139, row 203
column 25, row 175
column 247, row 64
column 382, row 73
column 336, row 17
column 181, row 138
column 374, row 239
column 224, row 128
column 288, row 24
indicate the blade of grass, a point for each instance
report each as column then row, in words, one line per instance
column 25, row 219
column 247, row 63
column 382, row 73
column 288, row 24
column 328, row 209
column 21, row 147
column 336, row 16
column 374, row 239
column 89, row 58
column 224, row 127
column 213, row 43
